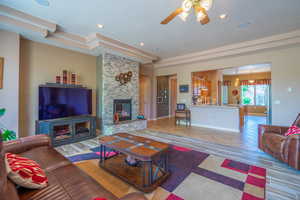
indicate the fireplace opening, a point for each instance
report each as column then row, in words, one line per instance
column 122, row 107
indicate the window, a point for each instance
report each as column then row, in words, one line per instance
column 248, row 94
column 225, row 94
column 255, row 95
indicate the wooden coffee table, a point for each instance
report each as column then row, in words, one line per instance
column 152, row 169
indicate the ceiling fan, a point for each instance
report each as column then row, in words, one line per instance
column 200, row 7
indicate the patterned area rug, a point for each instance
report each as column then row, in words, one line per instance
column 194, row 175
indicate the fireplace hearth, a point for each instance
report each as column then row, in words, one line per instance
column 122, row 107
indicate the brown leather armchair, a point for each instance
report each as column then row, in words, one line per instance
column 66, row 181
column 271, row 140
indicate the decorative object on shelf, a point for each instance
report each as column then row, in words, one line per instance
column 200, row 7
column 116, row 118
column 140, row 116
column 235, row 92
column 58, row 79
column 1, row 72
column 65, row 76
column 5, row 133
column 124, row 78
column 184, row 88
column 73, row 78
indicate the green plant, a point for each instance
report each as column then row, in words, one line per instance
column 8, row 135
column 5, row 133
column 246, row 100
column 2, row 111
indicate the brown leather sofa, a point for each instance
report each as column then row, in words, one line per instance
column 66, row 181
column 271, row 140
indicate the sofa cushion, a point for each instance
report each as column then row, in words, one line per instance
column 47, row 157
column 273, row 144
column 68, row 182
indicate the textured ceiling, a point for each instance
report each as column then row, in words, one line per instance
column 135, row 21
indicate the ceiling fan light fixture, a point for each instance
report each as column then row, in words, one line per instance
column 183, row 16
column 187, row 5
column 206, row 4
column 200, row 16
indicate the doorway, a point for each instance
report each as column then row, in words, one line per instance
column 173, row 95
column 249, row 87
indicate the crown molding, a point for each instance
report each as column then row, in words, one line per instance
column 49, row 31
column 97, row 37
column 11, row 21
column 234, row 49
column 29, row 18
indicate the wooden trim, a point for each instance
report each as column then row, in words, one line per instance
column 1, row 72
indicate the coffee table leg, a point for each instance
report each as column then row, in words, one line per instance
column 101, row 153
column 150, row 173
column 143, row 173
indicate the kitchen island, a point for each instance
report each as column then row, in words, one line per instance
column 227, row 118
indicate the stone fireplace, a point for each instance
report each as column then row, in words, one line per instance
column 116, row 98
column 122, row 107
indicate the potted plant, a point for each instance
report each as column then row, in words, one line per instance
column 5, row 133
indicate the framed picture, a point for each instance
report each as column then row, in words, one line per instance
column 184, row 88
column 1, row 72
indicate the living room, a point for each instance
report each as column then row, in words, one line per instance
column 136, row 113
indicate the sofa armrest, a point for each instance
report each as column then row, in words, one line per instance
column 272, row 129
column 134, row 196
column 292, row 151
column 281, row 130
column 24, row 144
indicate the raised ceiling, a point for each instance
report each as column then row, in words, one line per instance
column 136, row 21
column 248, row 69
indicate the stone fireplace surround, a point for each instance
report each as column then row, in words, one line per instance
column 109, row 89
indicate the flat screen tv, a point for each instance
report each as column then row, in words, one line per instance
column 56, row 102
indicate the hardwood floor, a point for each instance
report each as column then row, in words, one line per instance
column 247, row 139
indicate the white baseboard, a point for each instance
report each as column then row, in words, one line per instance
column 216, row 127
column 164, row 117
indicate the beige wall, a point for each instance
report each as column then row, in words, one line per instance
column 9, row 94
column 147, row 70
column 40, row 63
column 285, row 73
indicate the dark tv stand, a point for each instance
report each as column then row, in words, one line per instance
column 68, row 130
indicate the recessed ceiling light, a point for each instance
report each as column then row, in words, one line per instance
column 43, row 2
column 223, row 16
column 142, row 44
column 100, row 26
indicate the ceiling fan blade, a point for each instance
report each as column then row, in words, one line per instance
column 172, row 16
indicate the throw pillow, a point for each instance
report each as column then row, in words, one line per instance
column 293, row 130
column 25, row 172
